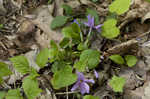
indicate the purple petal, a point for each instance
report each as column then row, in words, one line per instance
column 96, row 74
column 89, row 81
column 84, row 88
column 89, row 17
column 80, row 76
column 92, row 21
column 75, row 86
column 102, row 57
column 98, row 26
column 87, row 24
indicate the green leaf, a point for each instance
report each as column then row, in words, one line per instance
column 82, row 47
column 76, row 28
column 53, row 45
column 72, row 31
column 33, row 73
column 94, row 1
column 94, row 14
column 21, row 64
column 90, row 97
column 63, row 78
column 58, row 65
column 4, row 71
column 117, row 83
column 117, row 59
column 42, row 57
column 131, row 60
column 14, row 94
column 31, row 87
column 90, row 58
column 109, row 29
column 67, row 8
column 54, row 52
column 50, row 1
column 1, row 80
column 80, row 65
column 119, row 6
column 64, row 43
column 148, row 0
column 2, row 94
column 58, row 21
column 1, row 26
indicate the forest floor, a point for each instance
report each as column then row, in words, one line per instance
column 25, row 30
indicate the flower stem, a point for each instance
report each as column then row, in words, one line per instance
column 88, row 36
column 81, row 36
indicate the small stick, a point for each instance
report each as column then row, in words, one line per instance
column 143, row 34
column 125, row 45
column 62, row 93
column 67, row 92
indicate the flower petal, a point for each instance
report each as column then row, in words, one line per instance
column 84, row 88
column 80, row 76
column 87, row 24
column 92, row 22
column 96, row 74
column 89, row 81
column 89, row 17
column 98, row 26
column 75, row 86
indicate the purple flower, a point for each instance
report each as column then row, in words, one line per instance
column 96, row 74
column 82, row 84
column 90, row 24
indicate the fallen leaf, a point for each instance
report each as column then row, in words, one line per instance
column 43, row 21
column 147, row 16
column 2, row 9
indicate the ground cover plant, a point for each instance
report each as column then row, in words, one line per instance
column 73, row 64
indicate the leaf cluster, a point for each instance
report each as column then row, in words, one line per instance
column 130, row 60
column 71, row 54
column 117, row 7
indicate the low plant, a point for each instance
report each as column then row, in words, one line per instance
column 72, row 57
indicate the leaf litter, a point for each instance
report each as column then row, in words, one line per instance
column 26, row 30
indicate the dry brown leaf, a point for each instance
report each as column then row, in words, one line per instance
column 26, row 27
column 58, row 7
column 17, row 3
column 147, row 16
column 2, row 9
column 138, row 9
column 123, row 47
column 43, row 21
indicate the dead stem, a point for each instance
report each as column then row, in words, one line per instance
column 62, row 93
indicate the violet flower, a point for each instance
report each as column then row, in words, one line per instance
column 90, row 24
column 96, row 74
column 82, row 84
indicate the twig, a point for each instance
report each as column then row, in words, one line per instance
column 5, row 31
column 143, row 34
column 62, row 93
column 1, row 43
column 67, row 92
column 125, row 45
column 122, row 47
